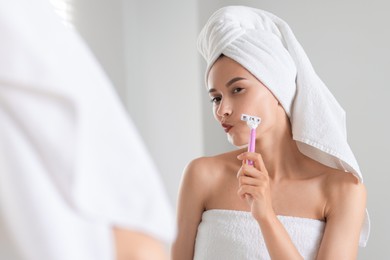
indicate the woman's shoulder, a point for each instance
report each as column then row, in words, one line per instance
column 211, row 166
column 343, row 189
column 202, row 174
column 333, row 181
column 200, row 163
column 214, row 162
column 337, row 181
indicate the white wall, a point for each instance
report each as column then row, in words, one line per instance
column 101, row 26
column 348, row 43
column 149, row 52
column 163, row 82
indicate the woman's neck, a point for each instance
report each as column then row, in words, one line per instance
column 279, row 151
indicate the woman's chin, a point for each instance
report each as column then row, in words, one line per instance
column 237, row 143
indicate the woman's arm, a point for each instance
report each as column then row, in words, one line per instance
column 255, row 188
column 345, row 211
column 133, row 245
column 192, row 196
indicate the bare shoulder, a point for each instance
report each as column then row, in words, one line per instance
column 199, row 165
column 199, row 170
column 344, row 191
column 206, row 167
column 343, row 183
column 199, row 179
column 344, row 213
column 205, row 170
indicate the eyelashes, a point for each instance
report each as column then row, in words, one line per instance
column 237, row 90
column 217, row 99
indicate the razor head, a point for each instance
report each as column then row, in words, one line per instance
column 251, row 121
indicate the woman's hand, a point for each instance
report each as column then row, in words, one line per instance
column 254, row 185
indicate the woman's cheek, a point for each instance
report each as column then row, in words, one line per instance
column 238, row 139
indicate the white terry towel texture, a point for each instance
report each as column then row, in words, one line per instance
column 232, row 235
column 265, row 45
column 72, row 164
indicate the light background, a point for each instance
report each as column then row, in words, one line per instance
column 148, row 49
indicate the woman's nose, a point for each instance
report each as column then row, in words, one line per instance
column 224, row 109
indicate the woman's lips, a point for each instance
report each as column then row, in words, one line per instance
column 226, row 127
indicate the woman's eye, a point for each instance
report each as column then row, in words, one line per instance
column 215, row 100
column 237, row 90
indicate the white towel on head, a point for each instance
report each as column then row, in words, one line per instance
column 265, row 45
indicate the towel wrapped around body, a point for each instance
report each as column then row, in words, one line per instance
column 230, row 234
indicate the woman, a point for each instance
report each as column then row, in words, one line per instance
column 299, row 200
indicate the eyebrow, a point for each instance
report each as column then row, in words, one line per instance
column 233, row 80
column 229, row 83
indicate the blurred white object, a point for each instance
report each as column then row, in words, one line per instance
column 71, row 162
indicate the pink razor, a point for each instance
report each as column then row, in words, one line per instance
column 253, row 122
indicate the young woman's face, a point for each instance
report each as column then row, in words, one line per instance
column 235, row 91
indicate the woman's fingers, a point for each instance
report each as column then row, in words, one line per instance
column 252, row 181
column 254, row 186
column 256, row 158
column 252, row 191
column 248, row 170
column 260, row 182
column 245, row 180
